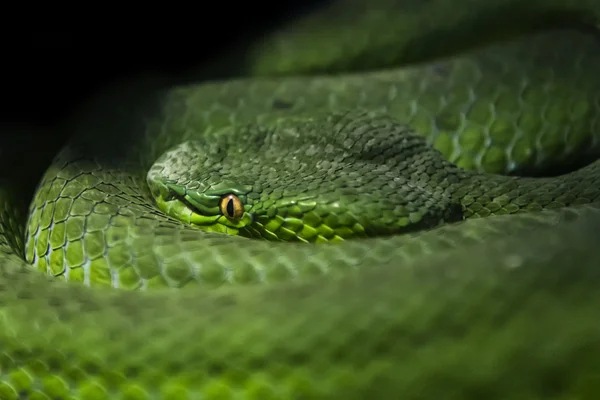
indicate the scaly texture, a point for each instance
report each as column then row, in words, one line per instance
column 419, row 296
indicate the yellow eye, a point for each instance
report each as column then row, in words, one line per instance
column 231, row 207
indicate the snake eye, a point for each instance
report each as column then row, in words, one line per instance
column 231, row 207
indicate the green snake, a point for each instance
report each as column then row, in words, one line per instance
column 366, row 214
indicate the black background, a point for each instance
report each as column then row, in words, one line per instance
column 47, row 70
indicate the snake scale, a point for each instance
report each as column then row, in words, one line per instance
column 367, row 214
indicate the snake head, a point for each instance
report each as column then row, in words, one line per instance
column 309, row 181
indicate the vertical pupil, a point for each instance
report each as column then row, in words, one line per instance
column 230, row 210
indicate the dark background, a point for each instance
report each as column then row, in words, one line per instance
column 50, row 68
column 47, row 71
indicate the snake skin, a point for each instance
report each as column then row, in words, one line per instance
column 413, row 250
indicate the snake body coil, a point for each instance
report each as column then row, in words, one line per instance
column 371, row 234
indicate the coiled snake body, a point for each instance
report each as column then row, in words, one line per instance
column 379, row 277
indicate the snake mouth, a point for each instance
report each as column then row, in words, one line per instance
column 322, row 225
column 296, row 220
column 310, row 229
column 316, row 226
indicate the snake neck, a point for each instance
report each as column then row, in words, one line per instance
column 482, row 195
